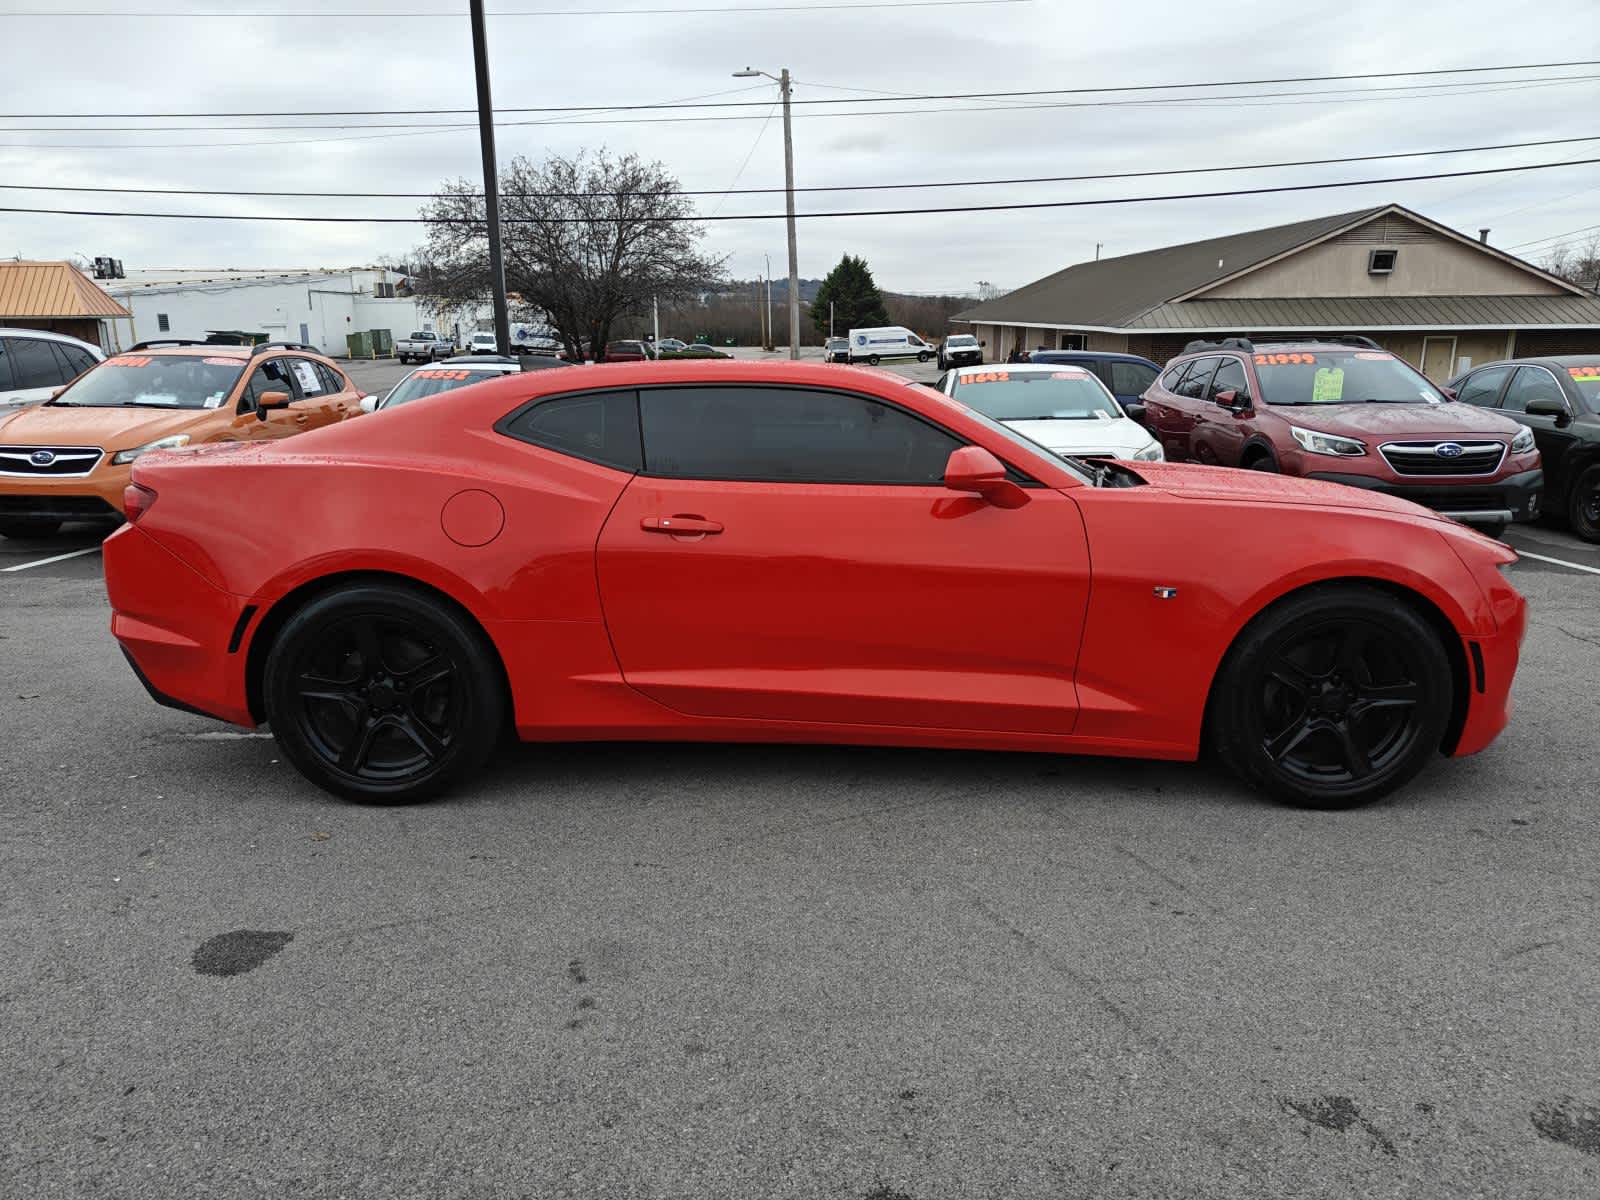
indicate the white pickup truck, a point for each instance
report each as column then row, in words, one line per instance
column 425, row 345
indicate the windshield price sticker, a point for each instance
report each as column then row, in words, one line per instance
column 1586, row 374
column 140, row 360
column 1295, row 358
column 1327, row 384
column 1375, row 355
column 220, row 362
column 989, row 377
column 443, row 374
column 1069, row 375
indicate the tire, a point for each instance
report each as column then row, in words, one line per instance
column 872, row 360
column 383, row 694
column 1496, row 530
column 922, row 357
column 1332, row 698
column 1262, row 462
column 28, row 527
column 1583, row 504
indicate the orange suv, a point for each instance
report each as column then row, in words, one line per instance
column 69, row 458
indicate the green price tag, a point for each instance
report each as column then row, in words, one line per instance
column 1328, row 384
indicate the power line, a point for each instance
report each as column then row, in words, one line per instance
column 885, row 212
column 367, row 14
column 887, row 96
column 1264, row 99
column 1556, row 237
column 854, row 187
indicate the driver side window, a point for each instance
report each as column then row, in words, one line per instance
column 1229, row 378
column 271, row 376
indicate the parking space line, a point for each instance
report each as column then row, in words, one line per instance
column 45, row 562
column 1560, row 562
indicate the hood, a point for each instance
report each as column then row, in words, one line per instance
column 1398, row 420
column 108, row 428
column 1263, row 487
column 1119, row 436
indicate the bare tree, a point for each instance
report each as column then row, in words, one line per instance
column 588, row 241
column 1575, row 261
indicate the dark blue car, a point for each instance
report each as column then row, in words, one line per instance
column 1127, row 375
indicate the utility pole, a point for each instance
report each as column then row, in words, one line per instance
column 772, row 336
column 655, row 320
column 761, row 315
column 491, row 180
column 830, row 318
column 782, row 80
column 1097, row 246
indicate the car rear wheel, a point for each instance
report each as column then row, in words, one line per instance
column 382, row 694
column 1332, row 698
column 28, row 527
column 872, row 360
column 1583, row 509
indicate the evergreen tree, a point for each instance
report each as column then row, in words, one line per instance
column 857, row 302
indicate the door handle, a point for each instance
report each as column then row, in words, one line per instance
column 679, row 524
column 301, row 418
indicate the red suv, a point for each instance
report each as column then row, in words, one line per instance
column 1346, row 411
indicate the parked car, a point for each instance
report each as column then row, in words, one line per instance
column 483, row 342
column 627, row 351
column 424, row 345
column 1347, row 412
column 836, row 350
column 671, row 344
column 697, row 350
column 68, row 459
column 959, row 350
column 1127, row 375
column 873, row 346
column 1065, row 409
column 1559, row 400
column 768, row 551
column 35, row 362
column 455, row 373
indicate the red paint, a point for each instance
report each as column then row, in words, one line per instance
column 905, row 615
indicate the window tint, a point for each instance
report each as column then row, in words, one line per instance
column 1173, row 375
column 1482, row 387
column 5, row 367
column 788, row 435
column 34, row 364
column 331, row 380
column 1131, row 378
column 78, row 360
column 1229, row 377
column 270, row 376
column 1532, row 383
column 602, row 428
column 1193, row 384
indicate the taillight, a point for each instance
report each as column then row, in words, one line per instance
column 136, row 501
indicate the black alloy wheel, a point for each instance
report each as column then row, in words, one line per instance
column 382, row 694
column 1583, row 508
column 1333, row 697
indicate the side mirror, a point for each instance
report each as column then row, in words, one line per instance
column 974, row 469
column 1449, row 392
column 271, row 400
column 1547, row 406
column 1232, row 400
column 1135, row 411
column 369, row 404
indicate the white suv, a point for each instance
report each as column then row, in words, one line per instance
column 34, row 363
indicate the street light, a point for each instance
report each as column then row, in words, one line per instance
column 782, row 80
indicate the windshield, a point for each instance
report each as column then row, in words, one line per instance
column 961, row 340
column 156, row 381
column 1064, row 395
column 430, row 383
column 1011, row 435
column 421, row 337
column 1586, row 379
column 1341, row 377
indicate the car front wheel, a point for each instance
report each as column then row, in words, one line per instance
column 1332, row 698
column 1583, row 509
column 383, row 694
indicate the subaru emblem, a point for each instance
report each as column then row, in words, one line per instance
column 1447, row 450
column 42, row 458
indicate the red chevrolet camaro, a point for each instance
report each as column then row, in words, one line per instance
column 795, row 553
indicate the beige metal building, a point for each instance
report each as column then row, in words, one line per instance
column 1436, row 297
column 58, row 297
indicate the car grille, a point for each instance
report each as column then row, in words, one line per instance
column 62, row 507
column 65, row 462
column 1423, row 458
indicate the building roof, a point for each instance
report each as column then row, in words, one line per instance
column 1111, row 292
column 1149, row 290
column 1373, row 312
column 52, row 290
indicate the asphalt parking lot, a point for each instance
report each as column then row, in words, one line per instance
column 707, row 971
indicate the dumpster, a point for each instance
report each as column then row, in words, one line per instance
column 382, row 342
column 236, row 337
column 360, row 344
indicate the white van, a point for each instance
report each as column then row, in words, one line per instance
column 888, row 341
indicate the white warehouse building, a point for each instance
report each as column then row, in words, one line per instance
column 318, row 308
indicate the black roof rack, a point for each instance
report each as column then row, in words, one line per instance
column 1338, row 339
column 153, row 343
column 1228, row 343
column 265, row 346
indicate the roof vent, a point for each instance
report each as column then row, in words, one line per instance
column 1483, row 236
column 1381, row 262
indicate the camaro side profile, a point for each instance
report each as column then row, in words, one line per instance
column 789, row 552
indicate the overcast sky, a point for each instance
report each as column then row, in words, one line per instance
column 306, row 61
